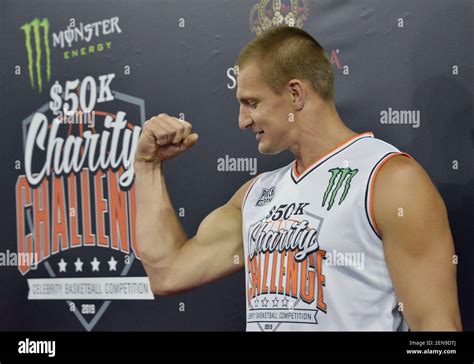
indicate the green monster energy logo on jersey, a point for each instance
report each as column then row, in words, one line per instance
column 345, row 176
column 39, row 42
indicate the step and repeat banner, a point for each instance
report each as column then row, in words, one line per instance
column 78, row 80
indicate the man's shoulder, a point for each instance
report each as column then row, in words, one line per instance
column 375, row 144
column 402, row 181
column 239, row 197
column 400, row 170
column 277, row 172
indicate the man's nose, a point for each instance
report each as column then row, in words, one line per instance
column 244, row 118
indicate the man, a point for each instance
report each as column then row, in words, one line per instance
column 352, row 235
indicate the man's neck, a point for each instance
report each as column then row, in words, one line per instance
column 316, row 138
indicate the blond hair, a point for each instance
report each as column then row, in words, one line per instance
column 284, row 53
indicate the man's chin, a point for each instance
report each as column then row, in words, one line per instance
column 267, row 150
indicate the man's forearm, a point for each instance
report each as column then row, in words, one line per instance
column 159, row 231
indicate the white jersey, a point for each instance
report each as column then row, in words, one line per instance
column 314, row 259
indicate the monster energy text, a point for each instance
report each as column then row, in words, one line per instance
column 85, row 32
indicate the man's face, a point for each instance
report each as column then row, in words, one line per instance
column 263, row 111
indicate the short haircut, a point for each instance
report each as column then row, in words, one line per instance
column 284, row 53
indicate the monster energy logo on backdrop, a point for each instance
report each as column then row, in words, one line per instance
column 345, row 176
column 35, row 39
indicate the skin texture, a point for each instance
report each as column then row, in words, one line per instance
column 418, row 246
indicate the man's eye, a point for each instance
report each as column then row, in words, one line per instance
column 253, row 104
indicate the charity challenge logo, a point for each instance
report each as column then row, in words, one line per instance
column 75, row 198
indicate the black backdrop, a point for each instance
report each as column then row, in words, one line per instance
column 412, row 58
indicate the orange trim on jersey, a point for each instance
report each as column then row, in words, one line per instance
column 295, row 166
column 247, row 192
column 372, row 184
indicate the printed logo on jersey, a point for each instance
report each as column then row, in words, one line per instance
column 284, row 267
column 266, row 196
column 339, row 177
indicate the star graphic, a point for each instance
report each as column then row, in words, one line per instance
column 275, row 302
column 78, row 263
column 264, row 302
column 112, row 264
column 256, row 302
column 285, row 302
column 95, row 264
column 62, row 265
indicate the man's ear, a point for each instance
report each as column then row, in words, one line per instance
column 297, row 94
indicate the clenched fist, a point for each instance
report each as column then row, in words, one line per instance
column 164, row 137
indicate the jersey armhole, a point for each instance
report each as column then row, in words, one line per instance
column 369, row 210
column 248, row 192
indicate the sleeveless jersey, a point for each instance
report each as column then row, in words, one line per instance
column 314, row 257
